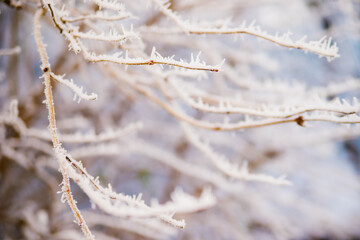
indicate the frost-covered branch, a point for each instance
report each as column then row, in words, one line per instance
column 55, row 140
column 125, row 206
column 277, row 111
column 111, row 36
column 77, row 90
column 227, row 167
column 102, row 137
column 149, row 228
column 248, row 122
column 155, row 58
column 323, row 47
column 11, row 118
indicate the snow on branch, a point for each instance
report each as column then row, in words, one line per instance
column 63, row 28
column 11, row 117
column 111, row 36
column 155, row 58
column 228, row 168
column 276, row 111
column 148, row 228
column 121, row 205
column 79, row 94
column 189, row 203
column 102, row 137
column 248, row 121
column 323, row 47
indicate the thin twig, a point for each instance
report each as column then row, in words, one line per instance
column 55, row 140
